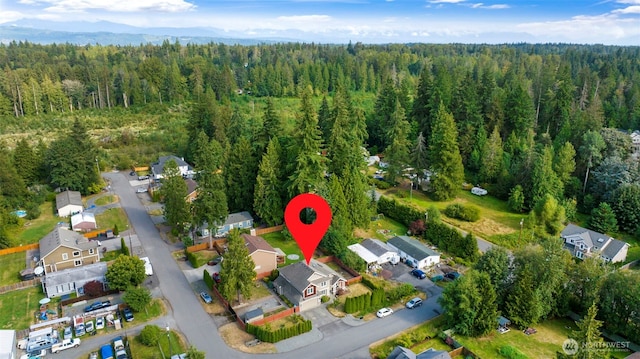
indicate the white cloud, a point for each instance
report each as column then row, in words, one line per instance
column 601, row 28
column 60, row 6
column 635, row 9
column 446, row 1
column 305, row 18
column 492, row 7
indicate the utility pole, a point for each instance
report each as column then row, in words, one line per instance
column 521, row 224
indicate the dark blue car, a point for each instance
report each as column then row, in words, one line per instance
column 418, row 274
column 96, row 306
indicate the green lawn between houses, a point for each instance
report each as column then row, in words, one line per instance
column 277, row 240
column 10, row 267
column 33, row 230
column 18, row 308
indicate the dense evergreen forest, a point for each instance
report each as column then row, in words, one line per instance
column 532, row 123
column 544, row 127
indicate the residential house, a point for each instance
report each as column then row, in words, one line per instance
column 400, row 352
column 157, row 168
column 414, row 252
column 8, row 348
column 63, row 248
column 635, row 143
column 582, row 243
column 83, row 222
column 192, row 190
column 68, row 203
column 72, row 280
column 375, row 252
column 238, row 220
column 264, row 256
column 304, row 285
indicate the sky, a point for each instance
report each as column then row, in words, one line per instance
column 613, row 22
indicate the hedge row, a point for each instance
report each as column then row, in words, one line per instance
column 462, row 212
column 450, row 240
column 266, row 334
column 364, row 301
column 510, row 352
column 208, row 280
column 398, row 211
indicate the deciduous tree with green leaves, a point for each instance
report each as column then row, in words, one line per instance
column 125, row 272
column 137, row 298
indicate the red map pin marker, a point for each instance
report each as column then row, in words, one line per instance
column 307, row 236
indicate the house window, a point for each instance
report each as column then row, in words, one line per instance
column 579, row 254
column 77, row 262
column 76, row 254
column 65, row 256
column 581, row 246
column 310, row 291
column 90, row 250
column 324, row 284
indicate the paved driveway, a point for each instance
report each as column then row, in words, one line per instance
column 402, row 273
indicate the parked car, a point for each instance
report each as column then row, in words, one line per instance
column 384, row 312
column 215, row 261
column 89, row 327
column 142, row 178
column 216, row 277
column 452, row 275
column 418, row 274
column 414, row 303
column 35, row 355
column 132, row 173
column 206, row 297
column 67, row 333
column 128, row 314
column 93, row 355
column 437, row 278
column 100, row 323
column 97, row 305
column 141, row 190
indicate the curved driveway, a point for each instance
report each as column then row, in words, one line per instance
column 187, row 315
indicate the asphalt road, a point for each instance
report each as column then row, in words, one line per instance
column 188, row 316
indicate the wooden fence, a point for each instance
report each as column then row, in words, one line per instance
column 276, row 316
column 21, row 285
column 217, row 243
column 261, row 231
column 141, row 168
column 24, row 248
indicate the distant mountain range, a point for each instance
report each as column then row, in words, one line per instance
column 106, row 33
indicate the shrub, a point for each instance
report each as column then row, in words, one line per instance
column 266, row 334
column 381, row 184
column 93, row 289
column 274, row 274
column 400, row 292
column 116, row 230
column 400, row 212
column 123, row 247
column 510, row 352
column 465, row 213
column 149, row 335
column 208, row 280
column 324, row 299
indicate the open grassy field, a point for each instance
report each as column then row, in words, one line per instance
column 10, row 266
column 104, row 200
column 155, row 309
column 141, row 351
column 544, row 344
column 33, row 230
column 277, row 240
column 111, row 217
column 382, row 229
column 18, row 308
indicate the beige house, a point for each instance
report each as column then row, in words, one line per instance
column 264, row 256
column 64, row 248
column 305, row 285
column 68, row 203
column 582, row 243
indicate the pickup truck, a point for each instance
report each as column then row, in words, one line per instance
column 118, row 345
column 66, row 344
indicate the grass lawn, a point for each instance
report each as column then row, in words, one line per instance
column 259, row 290
column 496, row 220
column 382, row 229
column 155, row 309
column 110, row 256
column 10, row 267
column 141, row 351
column 112, row 217
column 544, row 344
column 104, row 200
column 409, row 338
column 206, row 255
column 18, row 308
column 277, row 240
column 33, row 230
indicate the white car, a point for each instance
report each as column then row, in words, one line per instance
column 148, row 269
column 66, row 344
column 384, row 312
column 100, row 323
column 89, row 326
column 141, row 190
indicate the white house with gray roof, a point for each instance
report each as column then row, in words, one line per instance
column 582, row 243
column 414, row 251
column 157, row 168
column 68, row 203
column 304, row 285
column 72, row 280
column 238, row 220
column 374, row 251
column 63, row 248
column 400, row 352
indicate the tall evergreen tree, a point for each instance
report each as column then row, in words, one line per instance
column 382, row 118
column 591, row 345
column 544, row 179
column 240, row 176
column 397, row 153
column 564, row 162
column 210, row 206
column 603, row 219
column 271, row 123
column 325, row 119
column 492, row 157
column 419, row 154
column 444, row 157
column 174, row 192
column 26, row 161
column 309, row 166
column 237, row 270
column 267, row 201
column 422, row 112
